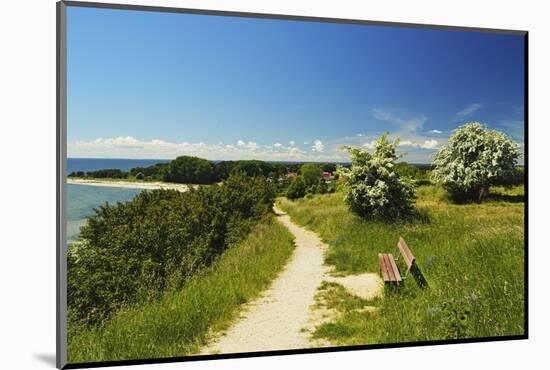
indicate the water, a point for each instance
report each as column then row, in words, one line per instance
column 94, row 164
column 82, row 199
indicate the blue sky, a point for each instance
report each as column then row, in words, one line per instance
column 158, row 85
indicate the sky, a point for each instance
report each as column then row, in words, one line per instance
column 158, row 85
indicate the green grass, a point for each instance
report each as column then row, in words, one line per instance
column 179, row 323
column 472, row 256
column 334, row 296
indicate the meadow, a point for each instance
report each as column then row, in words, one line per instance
column 472, row 256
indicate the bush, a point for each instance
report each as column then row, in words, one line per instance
column 132, row 251
column 190, row 170
column 474, row 159
column 112, row 173
column 252, row 167
column 322, row 188
column 516, row 178
column 140, row 176
column 373, row 187
column 405, row 169
column 296, row 189
column 311, row 173
column 77, row 174
column 157, row 170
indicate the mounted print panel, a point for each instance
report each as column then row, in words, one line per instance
column 240, row 184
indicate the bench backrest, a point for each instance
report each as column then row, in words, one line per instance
column 406, row 253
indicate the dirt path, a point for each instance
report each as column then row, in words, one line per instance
column 276, row 321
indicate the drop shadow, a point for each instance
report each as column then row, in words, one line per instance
column 47, row 358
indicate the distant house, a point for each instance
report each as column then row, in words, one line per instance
column 328, row 176
column 291, row 175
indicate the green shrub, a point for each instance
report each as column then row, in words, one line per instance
column 311, row 173
column 156, row 170
column 190, row 170
column 135, row 250
column 180, row 321
column 140, row 176
column 296, row 189
column 322, row 188
column 112, row 173
column 374, row 189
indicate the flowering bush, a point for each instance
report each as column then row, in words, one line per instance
column 374, row 188
column 474, row 159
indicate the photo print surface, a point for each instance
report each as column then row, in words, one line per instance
column 248, row 185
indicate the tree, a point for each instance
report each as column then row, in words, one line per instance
column 474, row 159
column 373, row 188
column 296, row 189
column 223, row 169
column 190, row 170
column 405, row 169
column 140, row 176
column 254, row 167
column 311, row 173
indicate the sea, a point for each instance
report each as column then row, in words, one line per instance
column 83, row 199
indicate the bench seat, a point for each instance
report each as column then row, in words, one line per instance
column 390, row 272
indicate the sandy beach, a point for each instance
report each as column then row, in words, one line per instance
column 129, row 184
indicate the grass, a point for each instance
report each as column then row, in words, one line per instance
column 472, row 256
column 179, row 323
column 334, row 296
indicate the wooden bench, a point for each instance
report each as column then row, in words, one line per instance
column 388, row 267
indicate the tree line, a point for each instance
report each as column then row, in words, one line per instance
column 195, row 170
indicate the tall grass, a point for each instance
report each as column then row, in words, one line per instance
column 179, row 323
column 472, row 256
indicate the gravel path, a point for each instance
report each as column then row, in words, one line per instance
column 276, row 321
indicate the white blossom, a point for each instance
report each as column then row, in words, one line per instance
column 474, row 158
column 373, row 187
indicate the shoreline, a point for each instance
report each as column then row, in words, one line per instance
column 129, row 184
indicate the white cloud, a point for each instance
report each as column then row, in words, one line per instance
column 292, row 143
column 467, row 111
column 406, row 125
column 409, row 130
column 130, row 147
column 277, row 145
column 248, row 145
column 427, row 144
column 318, row 146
